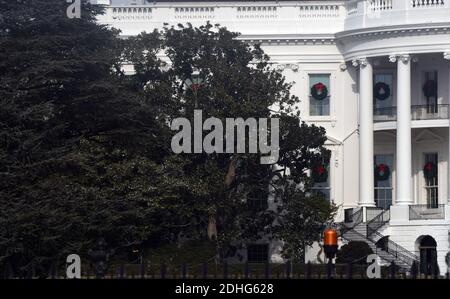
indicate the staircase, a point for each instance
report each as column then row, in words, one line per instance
column 368, row 232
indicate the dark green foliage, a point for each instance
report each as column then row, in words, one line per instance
column 75, row 144
column 353, row 252
column 85, row 150
column 236, row 81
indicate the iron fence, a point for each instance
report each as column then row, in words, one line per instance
column 241, row 271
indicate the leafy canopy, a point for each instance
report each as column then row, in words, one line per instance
column 85, row 149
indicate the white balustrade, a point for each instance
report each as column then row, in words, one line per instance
column 130, row 13
column 319, row 11
column 198, row 13
column 299, row 16
column 427, row 3
column 257, row 12
column 380, row 4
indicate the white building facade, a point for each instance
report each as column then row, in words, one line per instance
column 386, row 65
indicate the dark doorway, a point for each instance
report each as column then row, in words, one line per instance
column 428, row 256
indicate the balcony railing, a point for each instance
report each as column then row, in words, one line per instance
column 375, row 13
column 427, row 3
column 437, row 111
column 418, row 112
column 261, row 18
column 385, row 114
column 380, row 4
column 247, row 17
column 425, row 212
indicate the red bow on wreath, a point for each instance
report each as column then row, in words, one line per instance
column 321, row 170
column 319, row 87
column 428, row 166
column 382, row 167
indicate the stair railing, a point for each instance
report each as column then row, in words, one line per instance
column 395, row 249
column 390, row 246
column 377, row 222
column 357, row 218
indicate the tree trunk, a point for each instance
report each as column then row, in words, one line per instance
column 212, row 227
column 229, row 178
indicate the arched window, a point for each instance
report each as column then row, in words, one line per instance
column 428, row 255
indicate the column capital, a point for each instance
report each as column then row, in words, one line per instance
column 392, row 58
column 405, row 58
column 360, row 61
column 447, row 55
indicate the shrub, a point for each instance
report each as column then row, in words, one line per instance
column 353, row 252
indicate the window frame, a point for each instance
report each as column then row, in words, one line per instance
column 425, row 185
column 333, row 94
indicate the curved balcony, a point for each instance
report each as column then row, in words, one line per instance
column 418, row 112
column 384, row 13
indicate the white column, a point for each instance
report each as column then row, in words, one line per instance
column 366, row 170
column 447, row 57
column 403, row 157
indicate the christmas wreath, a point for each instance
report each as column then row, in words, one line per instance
column 381, row 91
column 320, row 174
column 430, row 170
column 319, row 91
column 430, row 88
column 382, row 172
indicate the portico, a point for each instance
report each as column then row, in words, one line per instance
column 401, row 120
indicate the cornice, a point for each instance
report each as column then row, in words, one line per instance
column 400, row 30
column 300, row 39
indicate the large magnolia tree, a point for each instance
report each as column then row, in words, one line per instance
column 209, row 69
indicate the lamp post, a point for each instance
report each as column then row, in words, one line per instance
column 193, row 83
column 330, row 246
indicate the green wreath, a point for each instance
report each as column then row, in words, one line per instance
column 382, row 172
column 319, row 91
column 320, row 174
column 430, row 170
column 381, row 91
column 430, row 88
